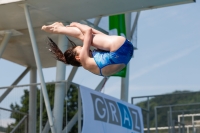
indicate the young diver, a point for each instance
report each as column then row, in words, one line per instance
column 112, row 53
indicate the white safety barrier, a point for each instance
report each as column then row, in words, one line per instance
column 106, row 114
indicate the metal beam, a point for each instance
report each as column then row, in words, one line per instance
column 101, row 84
column 97, row 20
column 135, row 23
column 33, row 84
column 72, row 74
column 70, row 77
column 5, row 42
column 19, row 123
column 70, row 124
column 38, row 63
column 60, row 87
column 14, row 83
column 32, row 121
column 15, row 111
column 41, row 111
column 125, row 81
column 79, row 111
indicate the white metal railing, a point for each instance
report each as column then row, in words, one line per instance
column 22, row 121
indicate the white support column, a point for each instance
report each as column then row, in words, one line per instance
column 125, row 81
column 39, row 67
column 125, row 85
column 79, row 111
column 60, row 87
column 32, row 102
column 4, row 42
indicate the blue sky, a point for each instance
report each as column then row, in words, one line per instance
column 167, row 58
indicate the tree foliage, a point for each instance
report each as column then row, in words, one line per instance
column 72, row 106
column 177, row 98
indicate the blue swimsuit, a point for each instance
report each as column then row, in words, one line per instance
column 122, row 55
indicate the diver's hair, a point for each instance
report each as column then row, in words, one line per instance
column 68, row 57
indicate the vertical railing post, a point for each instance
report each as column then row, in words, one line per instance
column 182, row 121
column 41, row 110
column 156, row 123
column 66, row 112
column 148, row 107
column 79, row 111
column 32, row 102
column 26, row 125
column 170, row 115
column 168, row 121
column 125, row 80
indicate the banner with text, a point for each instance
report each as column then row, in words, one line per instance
column 106, row 114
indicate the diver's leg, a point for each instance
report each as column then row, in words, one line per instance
column 59, row 28
column 107, row 43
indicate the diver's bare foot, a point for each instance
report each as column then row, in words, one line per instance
column 53, row 28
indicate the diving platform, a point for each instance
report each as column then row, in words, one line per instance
column 43, row 12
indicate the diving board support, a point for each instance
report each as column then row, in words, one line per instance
column 39, row 67
column 14, row 83
column 60, row 87
column 41, row 111
column 32, row 119
column 79, row 111
column 125, row 80
column 4, row 42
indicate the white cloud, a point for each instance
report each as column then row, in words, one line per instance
column 6, row 122
column 164, row 62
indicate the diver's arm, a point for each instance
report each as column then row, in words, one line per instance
column 94, row 31
column 84, row 55
column 83, row 27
